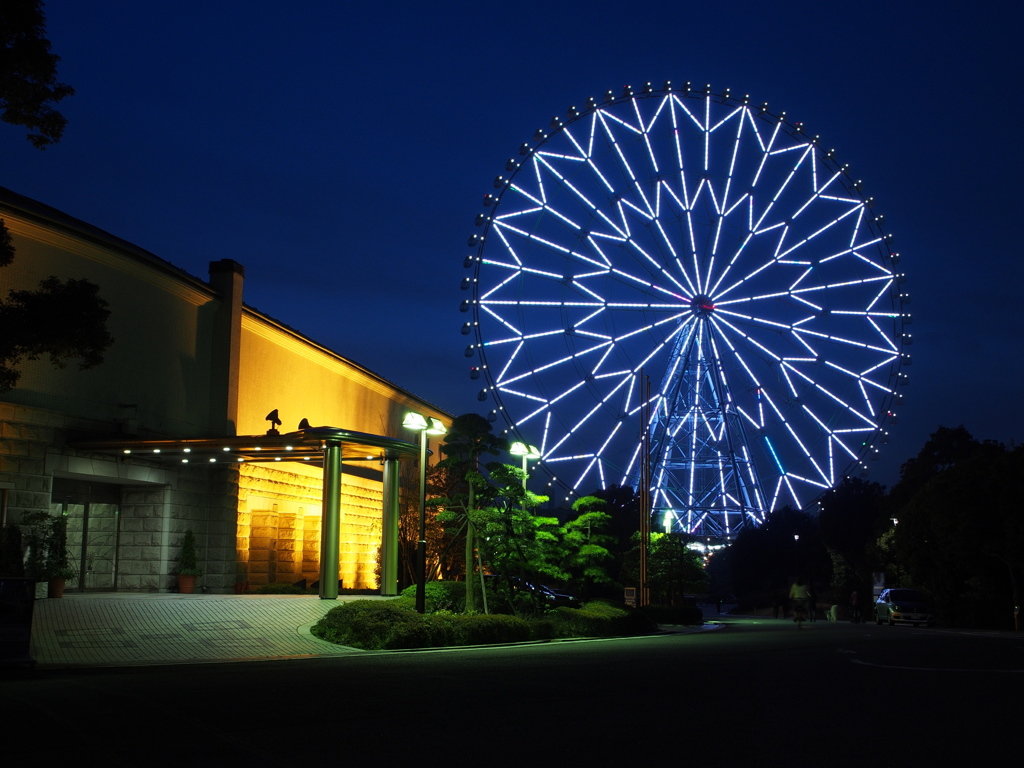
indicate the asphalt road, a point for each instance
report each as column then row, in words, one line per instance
column 751, row 693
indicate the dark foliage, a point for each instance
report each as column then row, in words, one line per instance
column 61, row 320
column 600, row 618
column 960, row 537
column 673, row 569
column 766, row 559
column 852, row 516
column 28, row 73
column 952, row 527
column 278, row 588
column 393, row 624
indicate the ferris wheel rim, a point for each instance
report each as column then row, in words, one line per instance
column 503, row 185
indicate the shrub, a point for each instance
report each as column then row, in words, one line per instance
column 188, row 560
column 440, row 596
column 368, row 624
column 600, row 618
column 387, row 625
column 427, row 631
column 482, row 629
column 542, row 629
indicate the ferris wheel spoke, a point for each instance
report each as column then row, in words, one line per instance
column 823, row 230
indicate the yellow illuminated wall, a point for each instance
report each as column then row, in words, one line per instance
column 280, row 369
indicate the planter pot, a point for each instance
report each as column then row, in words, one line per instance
column 186, row 584
column 55, row 587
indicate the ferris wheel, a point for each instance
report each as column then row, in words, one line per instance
column 676, row 284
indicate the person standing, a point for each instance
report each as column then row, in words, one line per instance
column 855, row 607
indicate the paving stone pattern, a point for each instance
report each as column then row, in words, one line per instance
column 134, row 629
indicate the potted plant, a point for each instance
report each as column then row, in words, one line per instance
column 58, row 568
column 188, row 564
column 46, row 557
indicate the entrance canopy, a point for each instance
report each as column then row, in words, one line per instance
column 306, row 445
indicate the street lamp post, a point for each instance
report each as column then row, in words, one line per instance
column 896, row 549
column 526, row 452
column 425, row 426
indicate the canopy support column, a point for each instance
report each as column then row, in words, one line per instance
column 330, row 525
column 389, row 529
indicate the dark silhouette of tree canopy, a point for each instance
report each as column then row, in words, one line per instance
column 763, row 560
column 61, row 320
column 960, row 536
column 946, row 447
column 623, row 505
column 850, row 517
column 28, row 73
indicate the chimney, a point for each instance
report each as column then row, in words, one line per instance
column 226, row 278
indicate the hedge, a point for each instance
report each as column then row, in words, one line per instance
column 393, row 624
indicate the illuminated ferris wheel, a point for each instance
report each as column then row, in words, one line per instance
column 680, row 275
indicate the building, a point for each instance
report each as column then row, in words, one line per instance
column 160, row 438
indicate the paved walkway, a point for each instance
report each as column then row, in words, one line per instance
column 142, row 629
column 126, row 629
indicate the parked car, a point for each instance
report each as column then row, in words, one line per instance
column 549, row 596
column 903, row 606
column 556, row 598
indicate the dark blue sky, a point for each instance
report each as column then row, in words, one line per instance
column 340, row 151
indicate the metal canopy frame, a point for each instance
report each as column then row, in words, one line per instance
column 326, row 447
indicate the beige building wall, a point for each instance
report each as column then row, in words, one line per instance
column 156, row 376
column 167, row 376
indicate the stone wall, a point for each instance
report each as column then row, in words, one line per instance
column 278, row 530
column 23, row 448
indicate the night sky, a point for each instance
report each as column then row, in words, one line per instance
column 340, row 153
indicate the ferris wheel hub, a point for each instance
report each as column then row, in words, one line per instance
column 702, row 306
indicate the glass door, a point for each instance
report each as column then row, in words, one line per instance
column 93, row 514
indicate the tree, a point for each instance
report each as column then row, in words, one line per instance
column 673, row 569
column 760, row 564
column 28, row 73
column 519, row 547
column 464, row 489
column 960, row 537
column 944, row 449
column 585, row 554
column 850, row 517
column 623, row 504
column 59, row 319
